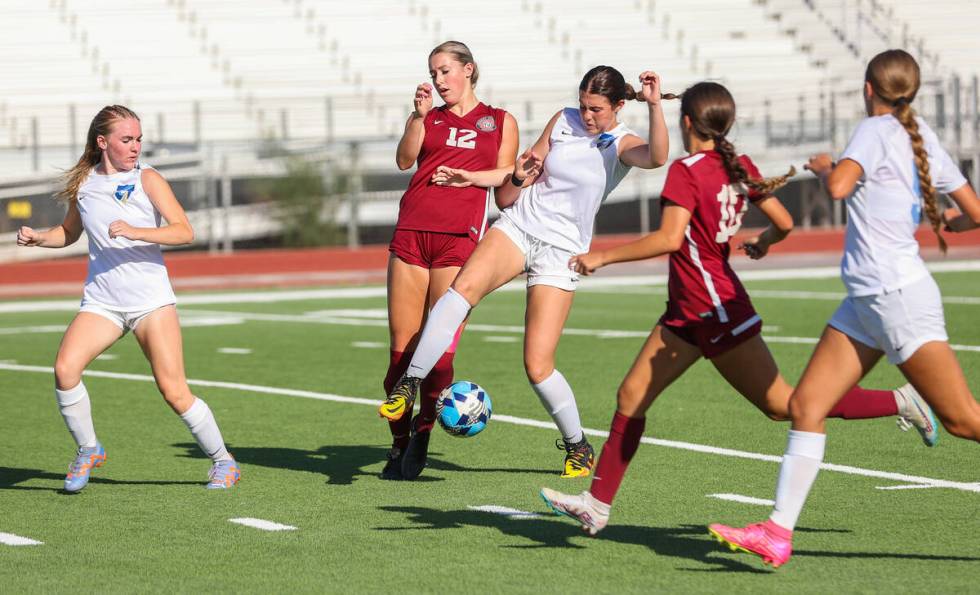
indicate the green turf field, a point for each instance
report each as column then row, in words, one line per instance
column 145, row 522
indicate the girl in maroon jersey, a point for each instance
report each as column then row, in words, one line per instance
column 708, row 310
column 438, row 226
column 549, row 204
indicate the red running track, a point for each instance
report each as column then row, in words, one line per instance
column 321, row 266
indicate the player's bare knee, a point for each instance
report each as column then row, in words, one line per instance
column 66, row 374
column 968, row 429
column 777, row 412
column 538, row 370
column 629, row 398
column 801, row 411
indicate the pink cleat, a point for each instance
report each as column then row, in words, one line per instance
column 774, row 544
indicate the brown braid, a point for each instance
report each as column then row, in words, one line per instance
column 906, row 115
column 736, row 171
column 101, row 126
column 895, row 77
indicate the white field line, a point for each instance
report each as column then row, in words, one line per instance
column 911, row 486
column 262, row 524
column 520, row 421
column 743, row 499
column 235, row 350
column 369, row 344
column 106, row 357
column 214, row 316
column 11, row 539
column 501, row 339
column 511, row 513
column 956, row 266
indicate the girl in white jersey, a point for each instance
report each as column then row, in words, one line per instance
column 119, row 202
column 893, row 306
column 549, row 201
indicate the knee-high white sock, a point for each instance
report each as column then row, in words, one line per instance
column 200, row 421
column 76, row 409
column 801, row 463
column 440, row 329
column 559, row 401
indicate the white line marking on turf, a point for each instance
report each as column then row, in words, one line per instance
column 913, row 486
column 11, row 539
column 497, row 328
column 235, row 350
column 369, row 344
column 262, row 524
column 511, row 513
column 499, row 339
column 956, row 266
column 520, row 421
column 743, row 499
column 106, row 357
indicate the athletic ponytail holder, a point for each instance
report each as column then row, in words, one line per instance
column 901, row 101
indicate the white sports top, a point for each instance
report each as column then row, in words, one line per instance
column 578, row 174
column 880, row 252
column 123, row 274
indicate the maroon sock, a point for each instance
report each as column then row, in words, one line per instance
column 864, row 403
column 397, row 365
column 617, row 452
column 438, row 379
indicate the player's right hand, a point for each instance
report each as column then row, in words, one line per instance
column 586, row 264
column 820, row 164
column 755, row 248
column 423, row 99
column 448, row 176
column 27, row 236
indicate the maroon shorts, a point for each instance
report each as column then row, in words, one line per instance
column 432, row 249
column 714, row 338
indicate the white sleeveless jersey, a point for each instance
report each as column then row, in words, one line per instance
column 123, row 274
column 579, row 173
column 881, row 253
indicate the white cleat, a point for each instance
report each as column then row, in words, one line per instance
column 593, row 514
column 914, row 412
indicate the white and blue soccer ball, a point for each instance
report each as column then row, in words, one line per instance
column 463, row 409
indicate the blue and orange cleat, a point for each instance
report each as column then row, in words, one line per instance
column 86, row 459
column 224, row 474
column 767, row 540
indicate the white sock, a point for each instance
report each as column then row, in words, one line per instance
column 801, row 463
column 559, row 401
column 200, row 421
column 440, row 329
column 77, row 411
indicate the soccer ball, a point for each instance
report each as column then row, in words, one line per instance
column 463, row 409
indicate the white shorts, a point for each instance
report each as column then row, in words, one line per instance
column 897, row 322
column 125, row 320
column 544, row 263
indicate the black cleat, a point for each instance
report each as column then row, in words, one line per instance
column 416, row 453
column 393, row 468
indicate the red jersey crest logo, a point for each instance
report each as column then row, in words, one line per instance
column 486, row 124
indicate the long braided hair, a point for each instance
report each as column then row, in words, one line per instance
column 101, row 126
column 711, row 109
column 894, row 78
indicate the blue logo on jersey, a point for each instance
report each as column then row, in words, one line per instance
column 123, row 191
column 605, row 139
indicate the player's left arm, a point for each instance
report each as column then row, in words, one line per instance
column 506, row 156
column 780, row 225
column 968, row 215
column 652, row 153
column 178, row 230
column 669, row 238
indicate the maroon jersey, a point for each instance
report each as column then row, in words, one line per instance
column 701, row 282
column 471, row 142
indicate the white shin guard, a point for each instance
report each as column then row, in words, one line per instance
column 76, row 409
